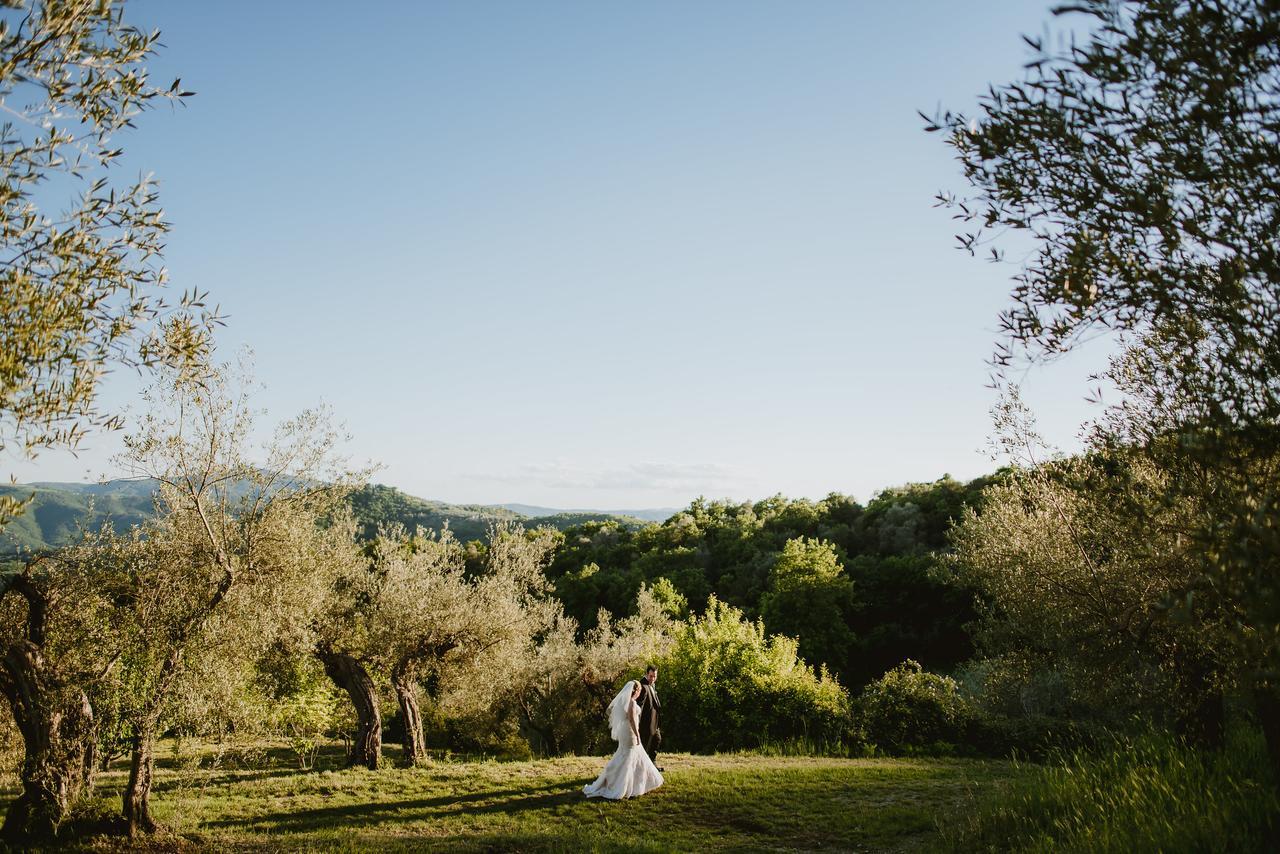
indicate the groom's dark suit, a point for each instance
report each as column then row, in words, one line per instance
column 650, row 734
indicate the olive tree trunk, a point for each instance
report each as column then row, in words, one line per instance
column 52, row 777
column 137, row 794
column 543, row 731
column 142, row 756
column 350, row 675
column 56, row 723
column 415, row 744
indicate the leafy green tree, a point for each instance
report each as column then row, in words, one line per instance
column 913, row 520
column 810, row 598
column 1141, row 161
column 566, row 684
column 454, row 637
column 339, row 637
column 730, row 550
column 413, row 614
column 80, row 287
column 903, row 609
column 119, row 635
column 1080, row 563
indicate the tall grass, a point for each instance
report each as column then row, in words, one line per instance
column 1152, row 793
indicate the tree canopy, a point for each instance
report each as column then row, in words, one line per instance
column 81, row 286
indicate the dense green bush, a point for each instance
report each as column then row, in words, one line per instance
column 909, row 708
column 1034, row 737
column 1021, row 708
column 1147, row 794
column 727, row 685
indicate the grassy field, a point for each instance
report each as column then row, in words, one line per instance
column 736, row 802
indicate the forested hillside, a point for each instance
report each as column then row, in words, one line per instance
column 57, row 513
column 60, row 510
column 852, row 582
column 376, row 505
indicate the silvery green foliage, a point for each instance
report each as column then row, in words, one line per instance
column 80, row 284
column 1084, row 567
column 1142, row 161
column 566, row 684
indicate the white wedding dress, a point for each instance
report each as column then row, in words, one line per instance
column 630, row 772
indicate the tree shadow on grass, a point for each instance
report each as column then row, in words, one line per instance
column 174, row 783
column 509, row 801
column 231, row 758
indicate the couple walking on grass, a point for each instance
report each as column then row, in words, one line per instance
column 633, row 723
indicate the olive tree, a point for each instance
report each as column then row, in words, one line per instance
column 422, row 614
column 1082, row 566
column 1142, row 160
column 341, row 642
column 430, row 628
column 80, row 286
column 58, row 615
column 236, row 535
column 513, row 590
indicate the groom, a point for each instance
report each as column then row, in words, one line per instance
column 650, row 734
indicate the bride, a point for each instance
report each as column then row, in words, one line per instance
column 630, row 772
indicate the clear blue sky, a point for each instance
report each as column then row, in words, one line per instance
column 595, row 254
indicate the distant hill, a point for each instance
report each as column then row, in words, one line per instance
column 58, row 514
column 61, row 510
column 140, row 488
column 377, row 504
column 653, row 514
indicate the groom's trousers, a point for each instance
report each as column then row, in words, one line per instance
column 651, row 745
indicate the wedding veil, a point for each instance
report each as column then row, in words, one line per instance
column 619, row 727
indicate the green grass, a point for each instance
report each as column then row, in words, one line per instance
column 1147, row 794
column 710, row 803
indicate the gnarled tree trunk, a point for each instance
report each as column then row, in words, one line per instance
column 56, row 722
column 349, row 674
column 142, row 754
column 52, row 776
column 137, row 794
column 544, row 741
column 52, row 771
column 404, row 677
column 89, row 770
column 415, row 745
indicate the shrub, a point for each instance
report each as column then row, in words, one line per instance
column 726, row 685
column 1020, row 707
column 564, row 686
column 1034, row 737
column 305, row 718
column 908, row 709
